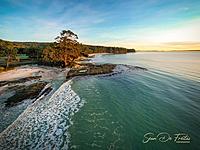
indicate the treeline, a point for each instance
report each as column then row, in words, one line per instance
column 31, row 48
column 62, row 52
column 105, row 49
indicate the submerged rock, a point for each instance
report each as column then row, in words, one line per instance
column 135, row 67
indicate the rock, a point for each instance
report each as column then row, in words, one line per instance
column 107, row 69
column 27, row 92
column 22, row 80
column 135, row 67
column 45, row 92
column 81, row 71
column 140, row 68
column 91, row 69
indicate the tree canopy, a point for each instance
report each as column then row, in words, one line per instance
column 64, row 50
column 8, row 50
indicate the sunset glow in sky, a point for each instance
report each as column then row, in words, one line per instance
column 143, row 25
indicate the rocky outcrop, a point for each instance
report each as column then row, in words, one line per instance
column 21, row 80
column 28, row 92
column 103, row 70
column 91, row 69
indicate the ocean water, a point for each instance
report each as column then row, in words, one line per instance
column 119, row 111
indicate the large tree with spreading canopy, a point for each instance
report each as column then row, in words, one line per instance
column 64, row 50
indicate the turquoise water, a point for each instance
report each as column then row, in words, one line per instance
column 119, row 110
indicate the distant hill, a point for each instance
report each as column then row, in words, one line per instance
column 105, row 49
column 88, row 49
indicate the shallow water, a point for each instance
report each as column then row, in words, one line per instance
column 45, row 123
column 54, row 76
column 120, row 109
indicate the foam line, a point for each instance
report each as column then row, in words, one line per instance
column 45, row 123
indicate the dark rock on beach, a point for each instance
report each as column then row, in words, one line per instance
column 104, row 70
column 91, row 69
column 27, row 92
column 45, row 92
column 21, row 80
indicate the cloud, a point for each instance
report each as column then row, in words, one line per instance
column 152, row 24
column 45, row 24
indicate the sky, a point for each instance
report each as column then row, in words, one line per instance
column 140, row 24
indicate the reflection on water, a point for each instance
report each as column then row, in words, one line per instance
column 121, row 109
column 186, row 64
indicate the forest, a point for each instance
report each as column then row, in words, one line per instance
column 62, row 52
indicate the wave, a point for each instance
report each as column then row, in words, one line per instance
column 44, row 124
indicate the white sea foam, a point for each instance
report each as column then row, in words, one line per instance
column 45, row 123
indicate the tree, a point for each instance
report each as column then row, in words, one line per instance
column 49, row 55
column 9, row 51
column 67, row 47
column 64, row 50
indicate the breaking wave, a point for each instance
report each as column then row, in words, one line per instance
column 44, row 124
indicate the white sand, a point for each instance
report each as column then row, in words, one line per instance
column 27, row 71
column 17, row 73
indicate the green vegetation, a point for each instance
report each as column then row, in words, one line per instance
column 89, row 49
column 9, row 51
column 63, row 52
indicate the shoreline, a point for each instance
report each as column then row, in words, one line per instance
column 48, row 112
column 44, row 112
column 24, row 79
column 31, row 82
column 22, row 87
column 49, row 104
column 35, row 81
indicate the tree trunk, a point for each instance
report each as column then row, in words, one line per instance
column 7, row 62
